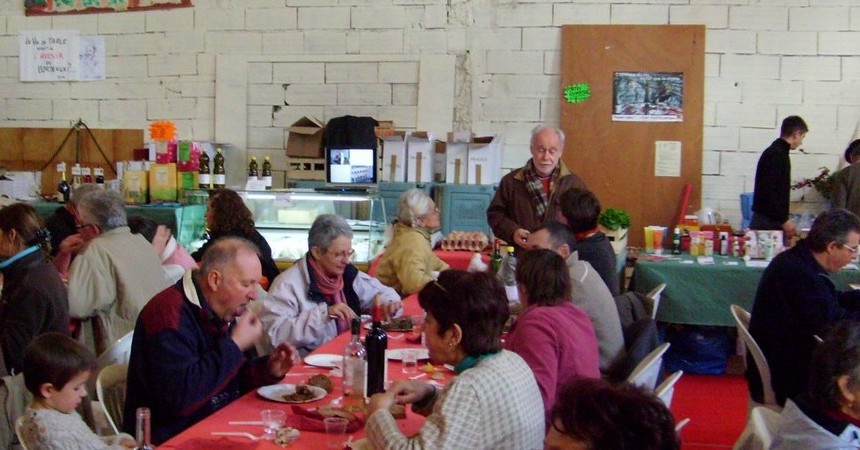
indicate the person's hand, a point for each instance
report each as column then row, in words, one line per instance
column 521, row 238
column 283, row 359
column 390, row 309
column 384, row 401
column 341, row 311
column 72, row 244
column 408, row 391
column 161, row 238
column 247, row 330
column 789, row 228
column 128, row 443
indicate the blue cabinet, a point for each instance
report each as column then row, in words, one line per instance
column 390, row 193
column 464, row 206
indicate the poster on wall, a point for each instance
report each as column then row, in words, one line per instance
column 50, row 55
column 92, row 57
column 38, row 7
column 648, row 97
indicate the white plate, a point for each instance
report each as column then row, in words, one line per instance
column 326, row 360
column 276, row 392
column 397, row 353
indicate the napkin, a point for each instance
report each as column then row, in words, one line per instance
column 306, row 419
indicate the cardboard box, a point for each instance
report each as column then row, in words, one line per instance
column 456, row 153
column 485, row 156
column 162, row 183
column 135, row 186
column 305, row 138
column 394, row 157
column 419, row 157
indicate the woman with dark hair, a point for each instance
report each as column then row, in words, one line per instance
column 492, row 403
column 227, row 215
column 554, row 337
column 595, row 415
column 175, row 260
column 33, row 299
column 579, row 211
column 827, row 416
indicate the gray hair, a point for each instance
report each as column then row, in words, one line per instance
column 325, row 229
column 413, row 204
column 82, row 190
column 832, row 225
column 223, row 252
column 536, row 130
column 104, row 208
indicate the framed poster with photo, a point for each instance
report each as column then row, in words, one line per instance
column 46, row 7
column 648, row 97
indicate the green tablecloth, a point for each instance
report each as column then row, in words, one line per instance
column 701, row 294
column 161, row 214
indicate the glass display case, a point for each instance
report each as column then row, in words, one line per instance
column 284, row 218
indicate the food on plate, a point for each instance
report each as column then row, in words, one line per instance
column 321, row 381
column 401, row 324
column 329, row 411
column 428, row 368
column 285, row 436
column 303, row 393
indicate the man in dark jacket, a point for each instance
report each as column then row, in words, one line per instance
column 187, row 355
column 796, row 299
column 773, row 180
column 528, row 196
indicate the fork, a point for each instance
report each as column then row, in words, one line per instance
column 238, row 434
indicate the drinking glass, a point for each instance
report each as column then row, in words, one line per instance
column 410, row 362
column 273, row 419
column 335, row 430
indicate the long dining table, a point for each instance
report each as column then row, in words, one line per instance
column 247, row 408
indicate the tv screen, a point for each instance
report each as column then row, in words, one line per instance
column 351, row 166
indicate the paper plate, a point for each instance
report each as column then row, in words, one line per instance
column 328, row 361
column 276, row 392
column 397, row 353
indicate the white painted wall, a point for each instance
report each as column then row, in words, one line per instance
column 765, row 59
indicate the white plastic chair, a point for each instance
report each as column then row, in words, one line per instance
column 666, row 389
column 111, row 389
column 645, row 373
column 654, row 295
column 19, row 431
column 680, row 425
column 761, row 427
column 118, row 352
column 742, row 319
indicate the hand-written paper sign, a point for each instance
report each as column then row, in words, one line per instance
column 48, row 55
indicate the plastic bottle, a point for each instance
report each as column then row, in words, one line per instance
column 724, row 245
column 219, row 178
column 267, row 172
column 354, row 368
column 204, row 173
column 508, row 272
column 142, row 430
column 376, row 343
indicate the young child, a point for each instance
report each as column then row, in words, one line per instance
column 56, row 370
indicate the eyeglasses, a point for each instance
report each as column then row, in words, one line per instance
column 346, row 254
column 850, row 248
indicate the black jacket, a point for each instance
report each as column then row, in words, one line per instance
column 773, row 182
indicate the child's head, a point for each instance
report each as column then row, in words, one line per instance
column 56, row 370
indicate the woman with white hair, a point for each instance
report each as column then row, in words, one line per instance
column 409, row 262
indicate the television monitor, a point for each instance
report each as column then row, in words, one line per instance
column 350, row 166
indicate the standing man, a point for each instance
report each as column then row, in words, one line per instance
column 530, row 195
column 846, row 188
column 796, row 299
column 773, row 180
column 188, row 353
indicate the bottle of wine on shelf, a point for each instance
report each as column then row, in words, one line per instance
column 87, row 173
column 219, row 178
column 76, row 175
column 63, row 188
column 252, row 167
column 142, row 430
column 267, row 172
column 376, row 343
column 99, row 174
column 354, row 369
column 204, row 173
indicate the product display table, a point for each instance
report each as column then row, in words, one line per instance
column 163, row 214
column 248, row 407
column 699, row 294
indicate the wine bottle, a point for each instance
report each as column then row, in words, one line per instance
column 99, row 174
column 63, row 188
column 354, row 368
column 87, row 174
column 219, row 180
column 252, row 167
column 204, row 174
column 496, row 259
column 267, row 172
column 376, row 343
column 142, row 430
column 76, row 175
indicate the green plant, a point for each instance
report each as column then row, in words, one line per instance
column 614, row 219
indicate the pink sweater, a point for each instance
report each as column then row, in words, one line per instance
column 558, row 343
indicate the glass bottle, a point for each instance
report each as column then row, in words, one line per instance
column 142, row 430
column 219, row 179
column 376, row 343
column 87, row 174
column 354, row 368
column 676, row 241
column 76, row 175
column 63, row 188
column 99, row 174
column 496, row 259
column 267, row 172
column 252, row 167
column 204, row 174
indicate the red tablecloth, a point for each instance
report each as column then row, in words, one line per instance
column 248, row 407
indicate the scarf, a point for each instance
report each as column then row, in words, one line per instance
column 535, row 187
column 331, row 288
column 471, row 361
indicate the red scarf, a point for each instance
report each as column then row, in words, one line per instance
column 584, row 234
column 330, row 287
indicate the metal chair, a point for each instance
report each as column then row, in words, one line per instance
column 742, row 319
column 647, row 371
column 111, row 389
